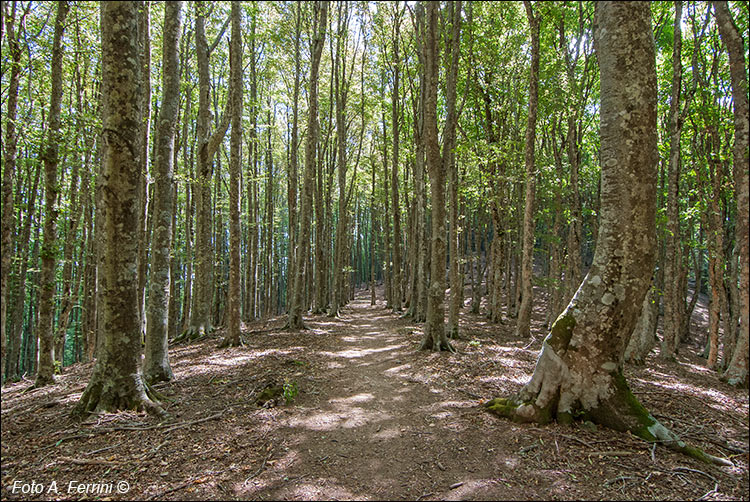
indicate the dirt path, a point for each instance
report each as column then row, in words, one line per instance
column 375, row 419
column 377, row 430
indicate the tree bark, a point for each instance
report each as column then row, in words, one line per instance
column 10, row 148
column 116, row 382
column 235, row 77
column 320, row 11
column 46, row 369
column 156, row 362
column 434, row 332
column 523, row 323
column 208, row 143
column 673, row 253
column 737, row 372
column 397, row 282
column 579, row 370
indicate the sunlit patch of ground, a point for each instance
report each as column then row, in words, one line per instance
column 372, row 418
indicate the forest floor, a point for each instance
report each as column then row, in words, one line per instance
column 374, row 419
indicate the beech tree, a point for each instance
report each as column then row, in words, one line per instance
column 45, row 328
column 156, row 361
column 435, row 337
column 320, row 12
column 117, row 380
column 233, row 295
column 579, row 369
column 737, row 372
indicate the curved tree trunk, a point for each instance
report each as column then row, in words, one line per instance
column 117, row 381
column 579, row 370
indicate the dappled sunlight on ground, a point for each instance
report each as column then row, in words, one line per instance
column 373, row 418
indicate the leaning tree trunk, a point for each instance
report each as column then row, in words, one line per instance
column 117, row 382
column 156, row 362
column 737, row 372
column 45, row 372
column 579, row 370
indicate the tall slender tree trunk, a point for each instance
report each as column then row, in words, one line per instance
column 673, row 250
column 434, row 334
column 320, row 11
column 208, row 143
column 235, row 77
column 146, row 208
column 397, row 294
column 116, row 382
column 737, row 372
column 341, row 135
column 10, row 149
column 156, row 362
column 45, row 372
column 294, row 163
column 523, row 323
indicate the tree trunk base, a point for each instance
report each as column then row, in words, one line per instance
column 108, row 393
column 229, row 342
column 159, row 373
column 442, row 344
column 621, row 412
column 194, row 332
column 43, row 380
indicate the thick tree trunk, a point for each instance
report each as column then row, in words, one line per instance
column 737, row 372
column 156, row 362
column 579, row 369
column 116, row 382
column 523, row 323
column 45, row 372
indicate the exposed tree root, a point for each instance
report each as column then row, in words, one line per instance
column 193, row 333
column 228, row 342
column 621, row 412
column 109, row 393
column 443, row 345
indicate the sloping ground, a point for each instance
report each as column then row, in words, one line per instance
column 374, row 419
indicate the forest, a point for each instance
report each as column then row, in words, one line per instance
column 421, row 250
